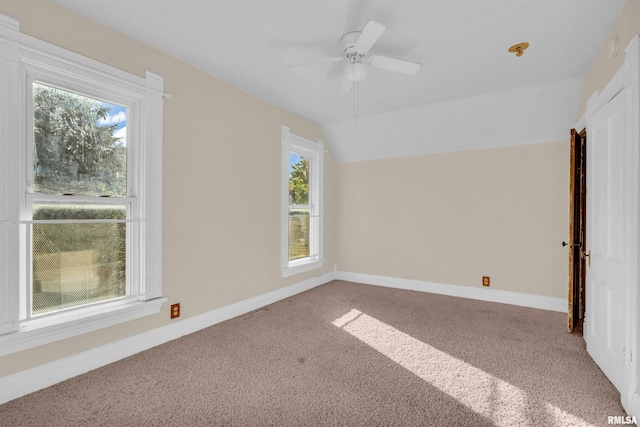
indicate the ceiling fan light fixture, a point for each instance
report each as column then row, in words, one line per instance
column 356, row 71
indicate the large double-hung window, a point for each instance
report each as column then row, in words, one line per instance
column 80, row 222
column 302, row 165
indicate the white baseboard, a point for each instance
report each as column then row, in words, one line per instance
column 48, row 374
column 484, row 294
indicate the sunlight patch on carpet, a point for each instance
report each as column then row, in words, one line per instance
column 497, row 400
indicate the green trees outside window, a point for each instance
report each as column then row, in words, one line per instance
column 79, row 149
column 299, row 209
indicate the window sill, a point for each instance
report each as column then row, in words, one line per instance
column 36, row 333
column 301, row 268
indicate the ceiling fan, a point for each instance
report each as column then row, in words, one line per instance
column 356, row 46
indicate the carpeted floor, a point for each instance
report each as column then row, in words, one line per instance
column 346, row 354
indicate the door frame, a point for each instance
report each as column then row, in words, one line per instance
column 627, row 77
column 577, row 231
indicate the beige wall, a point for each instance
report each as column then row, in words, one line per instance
column 221, row 180
column 453, row 218
column 604, row 67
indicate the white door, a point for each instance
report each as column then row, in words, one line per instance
column 608, row 240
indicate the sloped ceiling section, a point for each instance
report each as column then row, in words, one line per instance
column 539, row 113
column 462, row 45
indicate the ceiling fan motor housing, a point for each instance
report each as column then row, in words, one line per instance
column 356, row 70
column 349, row 43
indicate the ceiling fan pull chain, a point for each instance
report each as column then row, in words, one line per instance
column 356, row 101
column 355, row 94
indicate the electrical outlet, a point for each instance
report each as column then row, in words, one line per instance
column 486, row 281
column 175, row 310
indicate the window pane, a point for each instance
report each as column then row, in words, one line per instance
column 79, row 144
column 298, row 179
column 75, row 264
column 298, row 233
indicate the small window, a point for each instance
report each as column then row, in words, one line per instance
column 302, row 204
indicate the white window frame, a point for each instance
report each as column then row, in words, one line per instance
column 314, row 150
column 23, row 60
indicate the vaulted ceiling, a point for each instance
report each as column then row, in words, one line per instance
column 470, row 93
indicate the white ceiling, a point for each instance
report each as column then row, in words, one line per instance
column 462, row 45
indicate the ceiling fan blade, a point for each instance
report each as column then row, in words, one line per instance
column 347, row 84
column 369, row 35
column 398, row 65
column 317, row 61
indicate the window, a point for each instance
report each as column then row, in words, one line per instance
column 78, row 248
column 301, row 204
column 81, row 221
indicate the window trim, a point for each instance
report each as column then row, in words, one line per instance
column 315, row 151
column 21, row 58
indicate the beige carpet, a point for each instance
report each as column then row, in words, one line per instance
column 346, row 354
